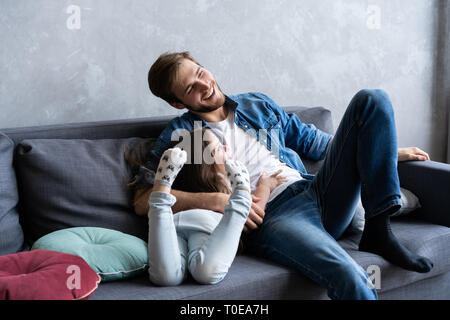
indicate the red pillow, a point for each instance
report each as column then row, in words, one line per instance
column 46, row 275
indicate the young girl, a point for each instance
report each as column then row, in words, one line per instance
column 200, row 241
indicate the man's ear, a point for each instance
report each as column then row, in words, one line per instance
column 177, row 105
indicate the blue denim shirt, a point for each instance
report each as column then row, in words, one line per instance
column 281, row 132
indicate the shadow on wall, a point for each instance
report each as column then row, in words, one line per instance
column 441, row 86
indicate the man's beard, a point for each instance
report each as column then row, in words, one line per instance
column 205, row 109
column 202, row 109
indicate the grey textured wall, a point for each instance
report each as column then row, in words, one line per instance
column 298, row 52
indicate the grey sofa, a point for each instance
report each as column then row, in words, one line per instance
column 75, row 175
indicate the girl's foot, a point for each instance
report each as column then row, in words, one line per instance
column 170, row 164
column 238, row 175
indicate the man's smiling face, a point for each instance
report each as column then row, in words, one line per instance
column 196, row 88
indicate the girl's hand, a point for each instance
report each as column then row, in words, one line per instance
column 272, row 181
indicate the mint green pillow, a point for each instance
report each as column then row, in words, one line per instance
column 112, row 254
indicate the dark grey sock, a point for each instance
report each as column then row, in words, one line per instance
column 378, row 238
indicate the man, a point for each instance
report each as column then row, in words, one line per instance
column 308, row 213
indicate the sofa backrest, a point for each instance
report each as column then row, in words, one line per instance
column 76, row 175
column 149, row 127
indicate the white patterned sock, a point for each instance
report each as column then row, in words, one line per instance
column 170, row 164
column 238, row 175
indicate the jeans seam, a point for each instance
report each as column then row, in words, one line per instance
column 361, row 173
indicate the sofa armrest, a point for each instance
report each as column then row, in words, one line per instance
column 430, row 182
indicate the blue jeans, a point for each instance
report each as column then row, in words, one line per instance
column 302, row 224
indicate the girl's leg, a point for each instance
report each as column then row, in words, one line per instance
column 210, row 256
column 166, row 250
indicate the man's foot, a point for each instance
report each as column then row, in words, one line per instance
column 378, row 238
column 170, row 164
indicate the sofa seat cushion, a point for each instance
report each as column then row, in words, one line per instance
column 248, row 278
column 45, row 275
column 112, row 254
column 254, row 278
column 423, row 238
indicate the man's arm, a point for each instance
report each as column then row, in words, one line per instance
column 215, row 201
column 306, row 139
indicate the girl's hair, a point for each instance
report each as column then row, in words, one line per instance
column 201, row 177
column 192, row 177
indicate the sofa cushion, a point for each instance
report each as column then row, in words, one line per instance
column 112, row 254
column 45, row 275
column 259, row 279
column 409, row 203
column 11, row 234
column 76, row 183
column 423, row 238
column 248, row 278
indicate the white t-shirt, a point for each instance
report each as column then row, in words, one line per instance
column 253, row 154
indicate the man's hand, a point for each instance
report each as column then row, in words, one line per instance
column 215, row 201
column 255, row 217
column 218, row 201
column 413, row 153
